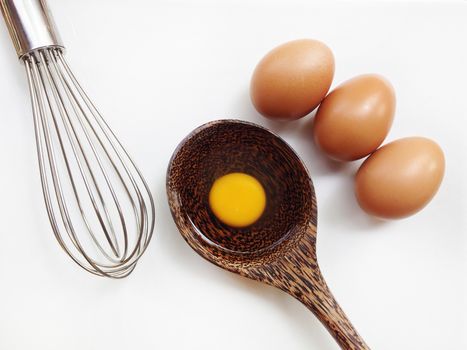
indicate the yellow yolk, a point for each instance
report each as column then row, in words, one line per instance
column 237, row 199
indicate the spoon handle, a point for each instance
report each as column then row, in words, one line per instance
column 298, row 274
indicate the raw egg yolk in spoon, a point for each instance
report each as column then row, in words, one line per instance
column 237, row 199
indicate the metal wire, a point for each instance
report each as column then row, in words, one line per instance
column 99, row 205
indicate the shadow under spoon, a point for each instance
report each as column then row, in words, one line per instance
column 280, row 248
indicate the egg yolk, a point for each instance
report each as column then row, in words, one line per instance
column 237, row 199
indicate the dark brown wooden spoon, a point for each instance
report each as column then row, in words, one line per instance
column 280, row 248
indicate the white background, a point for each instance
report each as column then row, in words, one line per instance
column 158, row 69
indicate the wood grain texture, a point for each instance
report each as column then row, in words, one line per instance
column 280, row 248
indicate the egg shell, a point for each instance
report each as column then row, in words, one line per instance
column 355, row 118
column 400, row 178
column 292, row 79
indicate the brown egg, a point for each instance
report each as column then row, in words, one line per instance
column 400, row 178
column 292, row 79
column 355, row 118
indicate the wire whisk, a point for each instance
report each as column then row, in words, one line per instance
column 99, row 205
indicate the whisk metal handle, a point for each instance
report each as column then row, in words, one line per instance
column 30, row 24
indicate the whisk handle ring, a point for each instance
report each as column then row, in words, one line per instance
column 30, row 24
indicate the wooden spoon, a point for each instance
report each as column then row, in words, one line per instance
column 280, row 248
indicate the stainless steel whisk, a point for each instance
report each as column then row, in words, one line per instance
column 99, row 205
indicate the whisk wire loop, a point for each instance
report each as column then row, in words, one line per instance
column 72, row 134
column 90, row 183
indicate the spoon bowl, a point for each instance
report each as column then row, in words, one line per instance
column 280, row 248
